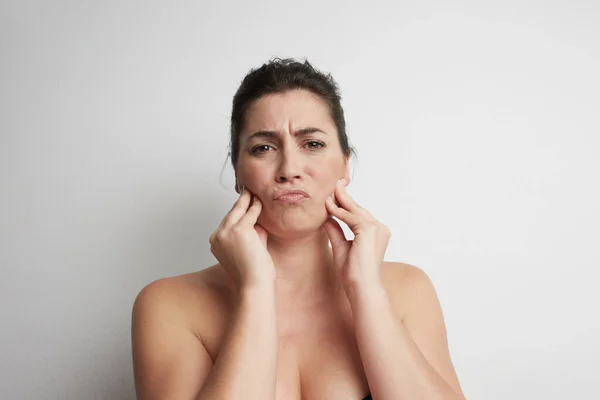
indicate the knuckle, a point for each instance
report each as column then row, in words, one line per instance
column 214, row 237
column 221, row 235
column 370, row 225
column 237, row 230
column 385, row 230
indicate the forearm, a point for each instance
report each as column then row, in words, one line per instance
column 394, row 366
column 247, row 363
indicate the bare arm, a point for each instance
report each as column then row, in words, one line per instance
column 403, row 358
column 171, row 362
column 246, row 367
column 410, row 359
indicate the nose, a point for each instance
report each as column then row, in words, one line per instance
column 290, row 167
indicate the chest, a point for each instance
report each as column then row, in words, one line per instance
column 318, row 358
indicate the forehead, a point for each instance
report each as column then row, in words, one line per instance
column 295, row 108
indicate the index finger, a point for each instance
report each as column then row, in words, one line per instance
column 238, row 209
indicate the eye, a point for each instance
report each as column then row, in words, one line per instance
column 315, row 144
column 261, row 148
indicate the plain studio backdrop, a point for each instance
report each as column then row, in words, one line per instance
column 477, row 131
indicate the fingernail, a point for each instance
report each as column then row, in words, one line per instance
column 340, row 182
column 329, row 198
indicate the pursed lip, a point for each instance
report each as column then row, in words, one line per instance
column 282, row 193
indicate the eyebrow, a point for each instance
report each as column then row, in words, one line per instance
column 299, row 132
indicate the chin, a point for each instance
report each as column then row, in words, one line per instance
column 289, row 225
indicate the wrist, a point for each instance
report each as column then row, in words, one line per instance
column 360, row 281
column 262, row 278
column 366, row 290
column 257, row 288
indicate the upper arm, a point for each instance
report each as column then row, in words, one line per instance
column 169, row 360
column 424, row 321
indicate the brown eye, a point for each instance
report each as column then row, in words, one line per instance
column 263, row 148
column 315, row 144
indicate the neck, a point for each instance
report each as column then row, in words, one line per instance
column 303, row 266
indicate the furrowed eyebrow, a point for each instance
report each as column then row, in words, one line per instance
column 299, row 132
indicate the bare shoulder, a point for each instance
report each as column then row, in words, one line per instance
column 171, row 358
column 402, row 276
column 175, row 288
column 185, row 297
column 399, row 270
column 413, row 296
column 407, row 286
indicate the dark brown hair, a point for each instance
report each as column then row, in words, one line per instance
column 278, row 76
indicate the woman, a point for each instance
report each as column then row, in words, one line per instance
column 283, row 315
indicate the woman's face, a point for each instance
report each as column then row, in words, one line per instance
column 279, row 152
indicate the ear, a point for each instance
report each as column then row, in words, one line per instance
column 238, row 186
column 347, row 171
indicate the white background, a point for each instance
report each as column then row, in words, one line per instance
column 477, row 130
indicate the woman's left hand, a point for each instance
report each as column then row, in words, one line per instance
column 359, row 260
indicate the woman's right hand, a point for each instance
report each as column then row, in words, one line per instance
column 240, row 244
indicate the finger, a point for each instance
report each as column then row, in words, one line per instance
column 339, row 243
column 242, row 197
column 335, row 200
column 335, row 233
column 251, row 216
column 238, row 210
column 262, row 233
column 345, row 200
column 351, row 219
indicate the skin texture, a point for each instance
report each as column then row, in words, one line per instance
column 294, row 319
column 314, row 162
